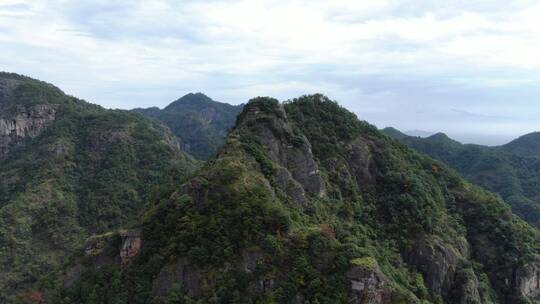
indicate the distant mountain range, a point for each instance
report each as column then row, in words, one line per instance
column 199, row 122
column 511, row 170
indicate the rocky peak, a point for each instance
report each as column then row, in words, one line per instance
column 297, row 172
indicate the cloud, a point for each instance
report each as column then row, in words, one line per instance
column 400, row 63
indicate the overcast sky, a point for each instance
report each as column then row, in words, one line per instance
column 468, row 68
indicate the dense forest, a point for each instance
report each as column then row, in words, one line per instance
column 68, row 170
column 199, row 122
column 300, row 202
column 511, row 170
column 307, row 204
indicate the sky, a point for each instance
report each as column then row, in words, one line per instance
column 470, row 69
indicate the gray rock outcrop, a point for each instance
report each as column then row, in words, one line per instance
column 25, row 122
column 369, row 286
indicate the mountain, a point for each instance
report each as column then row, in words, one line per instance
column 511, row 170
column 68, row 170
column 526, row 145
column 307, row 204
column 198, row 121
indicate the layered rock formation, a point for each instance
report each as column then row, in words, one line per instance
column 23, row 123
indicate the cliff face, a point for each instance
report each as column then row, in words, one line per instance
column 295, row 168
column 18, row 122
column 25, row 122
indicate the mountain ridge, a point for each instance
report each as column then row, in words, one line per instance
column 510, row 170
column 305, row 203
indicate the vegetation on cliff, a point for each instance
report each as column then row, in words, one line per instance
column 85, row 171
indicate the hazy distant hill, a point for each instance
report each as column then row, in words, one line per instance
column 526, row 145
column 198, row 121
column 511, row 170
column 69, row 169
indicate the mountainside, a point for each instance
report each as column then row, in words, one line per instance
column 69, row 169
column 198, row 121
column 306, row 204
column 526, row 145
column 511, row 170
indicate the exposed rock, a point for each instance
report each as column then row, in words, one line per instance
column 360, row 160
column 369, row 285
column 131, row 245
column 25, row 122
column 113, row 248
column 289, row 185
column 528, row 280
column 466, row 288
column 437, row 262
column 290, row 151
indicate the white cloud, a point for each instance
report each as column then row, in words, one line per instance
column 374, row 56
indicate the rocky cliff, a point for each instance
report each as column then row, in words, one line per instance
column 24, row 123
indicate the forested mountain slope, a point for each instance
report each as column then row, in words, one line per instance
column 198, row 121
column 511, row 170
column 70, row 169
column 306, row 204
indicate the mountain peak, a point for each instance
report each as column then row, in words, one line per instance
column 440, row 136
column 393, row 132
column 200, row 122
column 525, row 145
column 191, row 99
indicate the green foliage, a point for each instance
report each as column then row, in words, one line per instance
column 249, row 242
column 511, row 170
column 199, row 122
column 253, row 147
column 90, row 171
